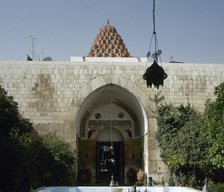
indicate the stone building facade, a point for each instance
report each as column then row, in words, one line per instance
column 102, row 107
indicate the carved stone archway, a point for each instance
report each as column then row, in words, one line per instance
column 111, row 107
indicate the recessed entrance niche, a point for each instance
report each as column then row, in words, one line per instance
column 110, row 115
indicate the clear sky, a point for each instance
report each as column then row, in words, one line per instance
column 188, row 30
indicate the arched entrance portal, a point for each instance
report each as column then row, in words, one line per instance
column 111, row 129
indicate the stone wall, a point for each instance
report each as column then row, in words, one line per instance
column 46, row 91
column 192, row 83
column 50, row 93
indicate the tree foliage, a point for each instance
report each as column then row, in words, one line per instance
column 27, row 159
column 192, row 144
column 213, row 129
column 180, row 143
column 213, row 126
column 15, row 134
column 63, row 166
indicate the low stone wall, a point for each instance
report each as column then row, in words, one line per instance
column 116, row 189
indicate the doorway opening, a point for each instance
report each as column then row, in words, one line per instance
column 110, row 162
column 110, row 115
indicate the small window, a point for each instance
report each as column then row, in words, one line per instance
column 121, row 115
column 98, row 116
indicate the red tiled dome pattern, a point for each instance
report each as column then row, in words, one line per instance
column 108, row 43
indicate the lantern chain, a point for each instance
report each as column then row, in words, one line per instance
column 154, row 17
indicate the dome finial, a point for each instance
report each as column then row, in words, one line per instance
column 108, row 22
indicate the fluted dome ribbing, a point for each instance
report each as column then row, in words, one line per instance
column 108, row 43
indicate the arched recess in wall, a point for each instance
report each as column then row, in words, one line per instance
column 117, row 96
column 138, row 95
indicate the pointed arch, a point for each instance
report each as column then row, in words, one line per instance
column 120, row 88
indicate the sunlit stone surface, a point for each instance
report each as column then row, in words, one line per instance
column 116, row 189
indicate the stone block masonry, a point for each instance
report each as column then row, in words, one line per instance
column 54, row 95
column 46, row 91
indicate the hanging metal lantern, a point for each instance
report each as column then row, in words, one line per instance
column 154, row 75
